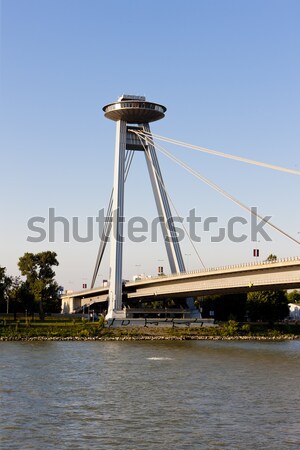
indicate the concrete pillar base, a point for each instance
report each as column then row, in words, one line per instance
column 193, row 311
column 116, row 314
column 195, row 314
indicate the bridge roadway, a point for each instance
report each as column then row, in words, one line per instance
column 280, row 274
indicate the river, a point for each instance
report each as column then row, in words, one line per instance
column 150, row 395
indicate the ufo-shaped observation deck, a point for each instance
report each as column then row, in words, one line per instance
column 134, row 109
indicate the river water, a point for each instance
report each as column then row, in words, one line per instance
column 150, row 395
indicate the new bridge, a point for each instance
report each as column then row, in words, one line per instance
column 280, row 274
column 132, row 115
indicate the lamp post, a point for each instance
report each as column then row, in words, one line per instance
column 160, row 269
column 7, row 302
column 188, row 260
column 84, row 283
column 100, row 275
column 137, row 265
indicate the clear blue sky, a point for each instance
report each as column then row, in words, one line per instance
column 228, row 72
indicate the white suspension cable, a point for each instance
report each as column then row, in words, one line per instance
column 128, row 161
column 218, row 188
column 226, row 155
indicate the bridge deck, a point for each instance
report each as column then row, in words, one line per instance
column 282, row 274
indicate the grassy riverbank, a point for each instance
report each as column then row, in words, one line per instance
column 25, row 329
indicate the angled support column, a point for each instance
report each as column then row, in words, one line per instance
column 163, row 208
column 164, row 211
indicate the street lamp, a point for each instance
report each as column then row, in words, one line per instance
column 160, row 267
column 137, row 265
column 7, row 302
column 100, row 275
column 188, row 259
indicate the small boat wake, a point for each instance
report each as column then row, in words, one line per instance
column 159, row 358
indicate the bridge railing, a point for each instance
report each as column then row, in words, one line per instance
column 229, row 267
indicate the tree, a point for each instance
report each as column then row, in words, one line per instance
column 294, row 296
column 272, row 258
column 267, row 305
column 53, row 304
column 5, row 283
column 40, row 277
column 225, row 307
column 12, row 294
column 20, row 297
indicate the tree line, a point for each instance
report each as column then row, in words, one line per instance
column 38, row 292
column 265, row 306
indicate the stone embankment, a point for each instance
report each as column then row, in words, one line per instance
column 149, row 338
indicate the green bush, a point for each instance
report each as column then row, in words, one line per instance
column 231, row 328
column 246, row 328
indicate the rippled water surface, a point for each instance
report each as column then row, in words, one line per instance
column 150, row 395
